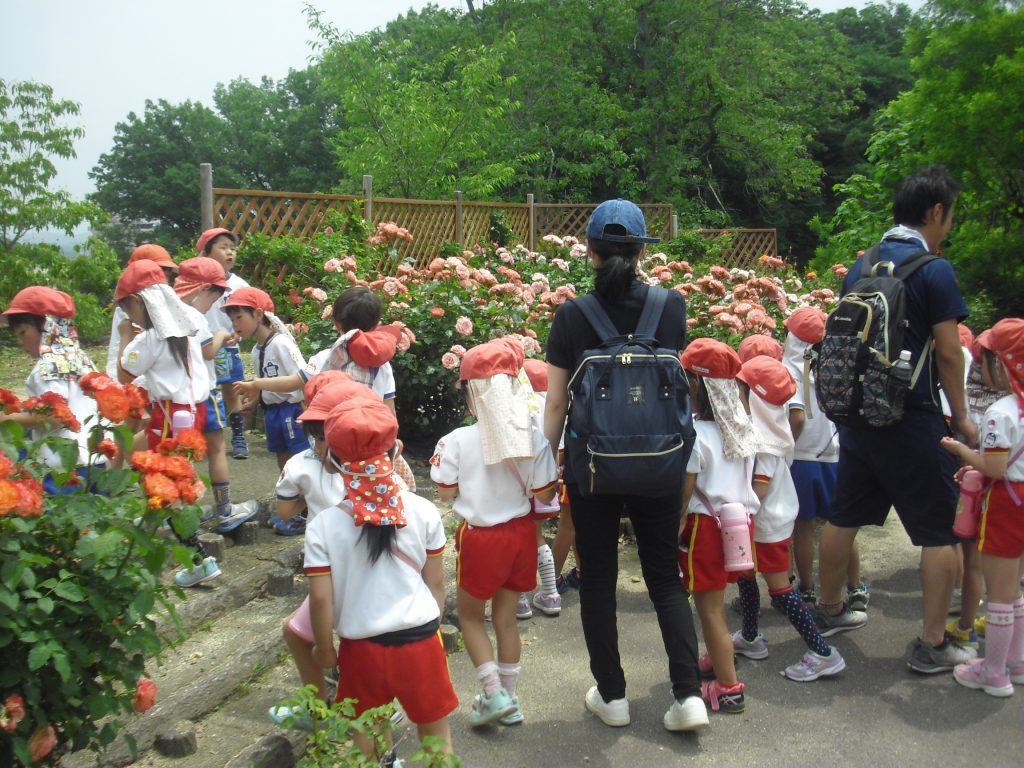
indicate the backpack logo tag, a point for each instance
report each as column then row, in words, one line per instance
column 635, row 395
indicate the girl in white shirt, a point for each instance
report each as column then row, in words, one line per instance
column 767, row 386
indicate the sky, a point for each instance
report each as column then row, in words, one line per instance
column 112, row 55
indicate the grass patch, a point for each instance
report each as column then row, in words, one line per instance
column 15, row 365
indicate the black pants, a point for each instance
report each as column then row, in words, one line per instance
column 656, row 525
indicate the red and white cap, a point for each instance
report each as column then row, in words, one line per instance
column 537, row 372
column 334, row 393
column 210, row 235
column 250, row 297
column 491, row 358
column 153, row 252
column 769, row 379
column 759, row 344
column 138, row 275
column 197, row 272
column 966, row 335
column 807, row 324
column 360, row 429
column 376, row 347
column 40, row 300
column 711, row 359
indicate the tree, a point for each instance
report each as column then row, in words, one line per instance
column 32, row 133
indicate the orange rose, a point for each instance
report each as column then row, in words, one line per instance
column 113, row 404
column 138, row 401
column 145, row 694
column 107, row 447
column 190, row 490
column 30, row 497
column 192, row 443
column 6, row 465
column 9, row 401
column 41, row 742
column 8, row 496
column 95, row 381
column 161, row 489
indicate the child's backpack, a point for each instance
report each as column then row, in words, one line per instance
column 630, row 429
column 860, row 381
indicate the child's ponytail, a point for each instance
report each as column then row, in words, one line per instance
column 380, row 539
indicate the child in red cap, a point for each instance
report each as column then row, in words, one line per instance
column 221, row 245
column 815, row 459
column 1001, row 536
column 767, row 386
column 276, row 355
column 719, row 472
column 376, row 578
column 491, row 469
column 43, row 320
column 200, row 284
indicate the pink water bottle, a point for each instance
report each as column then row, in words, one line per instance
column 972, row 489
column 739, row 555
column 180, row 421
column 549, row 509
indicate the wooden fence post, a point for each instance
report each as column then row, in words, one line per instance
column 368, row 194
column 206, row 196
column 458, row 216
column 533, row 219
column 674, row 229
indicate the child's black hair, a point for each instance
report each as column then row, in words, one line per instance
column 357, row 307
column 699, row 399
column 209, row 246
column 919, row 192
column 380, row 539
column 26, row 318
column 178, row 344
column 313, row 429
column 250, row 311
column 617, row 265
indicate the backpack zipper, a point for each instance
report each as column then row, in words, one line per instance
column 593, row 454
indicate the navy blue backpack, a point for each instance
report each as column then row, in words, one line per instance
column 630, row 430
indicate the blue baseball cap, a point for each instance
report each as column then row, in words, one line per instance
column 625, row 219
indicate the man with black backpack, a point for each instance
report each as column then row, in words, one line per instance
column 889, row 453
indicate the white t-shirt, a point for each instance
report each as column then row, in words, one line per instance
column 386, row 596
column 777, row 514
column 216, row 318
column 1002, row 432
column 490, row 494
column 819, row 439
column 967, row 369
column 114, row 347
column 150, row 359
column 80, row 404
column 721, row 480
column 382, row 380
column 304, row 475
column 281, row 357
column 205, row 337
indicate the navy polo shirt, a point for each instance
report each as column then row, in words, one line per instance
column 933, row 296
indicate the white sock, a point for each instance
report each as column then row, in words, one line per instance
column 487, row 673
column 546, row 569
column 509, row 675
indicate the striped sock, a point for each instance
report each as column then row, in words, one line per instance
column 750, row 604
column 788, row 601
column 487, row 674
column 998, row 634
column 546, row 569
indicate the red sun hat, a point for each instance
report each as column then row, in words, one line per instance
column 250, row 297
column 491, row 358
column 711, row 359
column 1006, row 339
column 769, row 379
column 374, row 348
column 138, row 275
column 334, row 393
column 210, row 235
column 201, row 270
column 807, row 324
column 980, row 341
column 360, row 429
column 759, row 344
column 40, row 300
column 537, row 372
column 152, row 252
column 966, row 336
column 320, row 381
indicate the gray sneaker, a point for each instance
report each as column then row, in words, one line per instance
column 239, row 514
column 843, row 622
column 927, row 659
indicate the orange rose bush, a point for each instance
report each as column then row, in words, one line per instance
column 82, row 561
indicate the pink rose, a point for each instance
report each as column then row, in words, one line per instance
column 145, row 695
column 450, row 361
column 332, row 265
column 437, row 312
column 13, row 712
column 328, row 230
column 318, row 294
column 464, row 326
column 458, row 350
column 41, row 742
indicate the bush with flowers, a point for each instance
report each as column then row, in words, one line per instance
column 469, row 296
column 80, row 576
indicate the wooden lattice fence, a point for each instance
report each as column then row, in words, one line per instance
column 437, row 222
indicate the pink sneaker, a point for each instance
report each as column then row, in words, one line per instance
column 974, row 674
column 728, row 699
column 707, row 669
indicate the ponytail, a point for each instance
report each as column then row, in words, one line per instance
column 179, row 349
column 380, row 539
column 616, row 268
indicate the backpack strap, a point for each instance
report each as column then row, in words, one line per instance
column 597, row 317
column 650, row 316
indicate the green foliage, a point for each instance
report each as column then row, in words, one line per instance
column 79, row 586
column 857, row 224
column 696, row 248
column 88, row 277
column 32, row 133
column 331, row 744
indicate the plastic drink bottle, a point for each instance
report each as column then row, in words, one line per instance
column 736, row 546
column 972, row 489
column 180, row 421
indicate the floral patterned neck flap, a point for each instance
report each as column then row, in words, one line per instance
column 372, row 488
column 60, row 357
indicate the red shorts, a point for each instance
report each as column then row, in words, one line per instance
column 701, row 558
column 1002, row 524
column 415, row 673
column 502, row 556
column 771, row 558
column 160, row 421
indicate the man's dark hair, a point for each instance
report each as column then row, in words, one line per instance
column 357, row 307
column 917, row 193
column 26, row 318
column 617, row 266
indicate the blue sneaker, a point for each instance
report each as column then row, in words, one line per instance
column 294, row 526
column 568, row 580
column 198, row 574
column 291, row 717
column 487, row 709
column 515, row 718
column 240, row 513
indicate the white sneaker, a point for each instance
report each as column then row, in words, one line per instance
column 614, row 713
column 752, row 649
column 240, row 513
column 813, row 665
column 689, row 714
column 523, row 609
